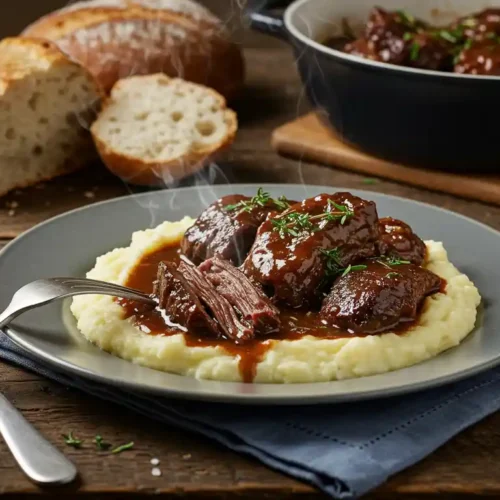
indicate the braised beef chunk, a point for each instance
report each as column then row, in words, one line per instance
column 288, row 256
column 387, row 37
column 191, row 301
column 479, row 26
column 227, row 228
column 378, row 297
column 363, row 48
column 250, row 302
column 480, row 58
column 398, row 240
column 428, row 51
column 181, row 302
column 469, row 45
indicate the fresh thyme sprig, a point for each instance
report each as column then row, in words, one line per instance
column 293, row 222
column 261, row 199
column 390, row 261
column 334, row 266
column 71, row 440
column 101, row 444
column 392, row 275
column 123, row 447
column 406, row 18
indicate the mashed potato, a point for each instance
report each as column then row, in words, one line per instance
column 445, row 322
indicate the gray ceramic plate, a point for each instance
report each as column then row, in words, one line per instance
column 68, row 245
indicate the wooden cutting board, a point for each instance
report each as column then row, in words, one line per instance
column 308, row 139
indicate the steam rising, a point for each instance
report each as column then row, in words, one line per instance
column 236, row 15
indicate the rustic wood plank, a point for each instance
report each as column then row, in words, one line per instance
column 190, row 463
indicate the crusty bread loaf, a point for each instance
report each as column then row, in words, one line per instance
column 154, row 129
column 45, row 105
column 115, row 39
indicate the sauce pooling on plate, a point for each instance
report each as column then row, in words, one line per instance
column 357, row 291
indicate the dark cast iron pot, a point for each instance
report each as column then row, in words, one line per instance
column 418, row 117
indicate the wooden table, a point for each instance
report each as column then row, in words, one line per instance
column 194, row 467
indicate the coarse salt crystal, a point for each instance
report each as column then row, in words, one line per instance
column 156, row 472
column 154, row 461
column 187, row 456
column 89, row 194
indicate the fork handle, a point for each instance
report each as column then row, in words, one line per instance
column 40, row 460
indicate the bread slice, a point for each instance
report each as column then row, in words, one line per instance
column 155, row 129
column 45, row 105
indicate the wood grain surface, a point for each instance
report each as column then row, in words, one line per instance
column 193, row 467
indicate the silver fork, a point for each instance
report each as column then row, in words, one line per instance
column 41, row 292
column 39, row 459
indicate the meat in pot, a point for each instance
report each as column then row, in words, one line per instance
column 469, row 45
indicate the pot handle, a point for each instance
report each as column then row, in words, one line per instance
column 266, row 22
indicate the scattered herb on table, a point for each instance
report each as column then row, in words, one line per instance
column 101, row 444
column 370, row 181
column 71, row 440
column 123, row 447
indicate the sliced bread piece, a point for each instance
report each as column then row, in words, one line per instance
column 45, row 105
column 155, row 129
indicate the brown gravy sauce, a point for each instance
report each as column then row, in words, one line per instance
column 295, row 323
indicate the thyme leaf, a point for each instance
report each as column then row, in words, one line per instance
column 72, row 440
column 261, row 199
column 294, row 222
column 414, row 51
column 123, row 447
column 392, row 275
column 334, row 266
column 101, row 444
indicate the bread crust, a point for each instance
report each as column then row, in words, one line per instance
column 22, row 58
column 134, row 39
column 137, row 171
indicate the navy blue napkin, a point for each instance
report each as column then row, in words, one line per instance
column 344, row 449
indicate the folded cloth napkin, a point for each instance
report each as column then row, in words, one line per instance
column 343, row 449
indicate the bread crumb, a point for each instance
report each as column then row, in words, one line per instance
column 89, row 194
column 154, row 461
column 156, row 472
column 11, row 213
column 187, row 456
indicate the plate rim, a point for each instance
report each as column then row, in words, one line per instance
column 243, row 397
